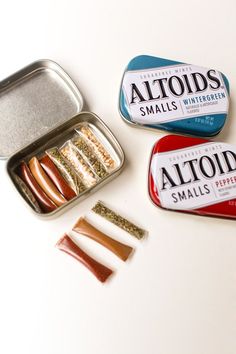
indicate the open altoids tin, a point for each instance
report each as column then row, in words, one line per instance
column 41, row 109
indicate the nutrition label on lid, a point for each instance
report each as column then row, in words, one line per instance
column 170, row 93
column 195, row 177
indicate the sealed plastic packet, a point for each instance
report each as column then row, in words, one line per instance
column 45, row 182
column 67, row 245
column 66, row 170
column 97, row 146
column 56, row 177
column 101, row 209
column 71, row 153
column 89, row 156
column 83, row 227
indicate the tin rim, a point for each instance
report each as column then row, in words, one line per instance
column 83, row 195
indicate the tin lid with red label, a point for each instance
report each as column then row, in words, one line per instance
column 193, row 175
column 174, row 96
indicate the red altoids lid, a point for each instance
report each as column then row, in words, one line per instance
column 194, row 175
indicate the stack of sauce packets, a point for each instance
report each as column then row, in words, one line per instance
column 66, row 171
column 84, row 227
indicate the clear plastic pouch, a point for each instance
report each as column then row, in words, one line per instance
column 71, row 153
column 89, row 156
column 66, row 170
column 96, row 145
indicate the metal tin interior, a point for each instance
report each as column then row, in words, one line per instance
column 33, row 101
column 57, row 137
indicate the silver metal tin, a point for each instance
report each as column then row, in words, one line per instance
column 57, row 137
column 40, row 107
column 33, row 101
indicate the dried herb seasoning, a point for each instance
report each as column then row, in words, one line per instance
column 71, row 153
column 56, row 177
column 66, row 170
column 87, row 152
column 45, row 182
column 118, row 220
column 97, row 146
column 44, row 201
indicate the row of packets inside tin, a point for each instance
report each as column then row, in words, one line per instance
column 65, row 172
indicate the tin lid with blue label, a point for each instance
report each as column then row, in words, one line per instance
column 174, row 96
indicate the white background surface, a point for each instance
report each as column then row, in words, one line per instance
column 177, row 295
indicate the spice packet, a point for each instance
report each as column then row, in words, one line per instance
column 68, row 246
column 83, row 227
column 71, row 153
column 44, row 201
column 118, row 220
column 56, row 177
column 89, row 156
column 66, row 170
column 45, row 182
column 27, row 193
column 97, row 146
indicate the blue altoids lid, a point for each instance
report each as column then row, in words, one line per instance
column 169, row 95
